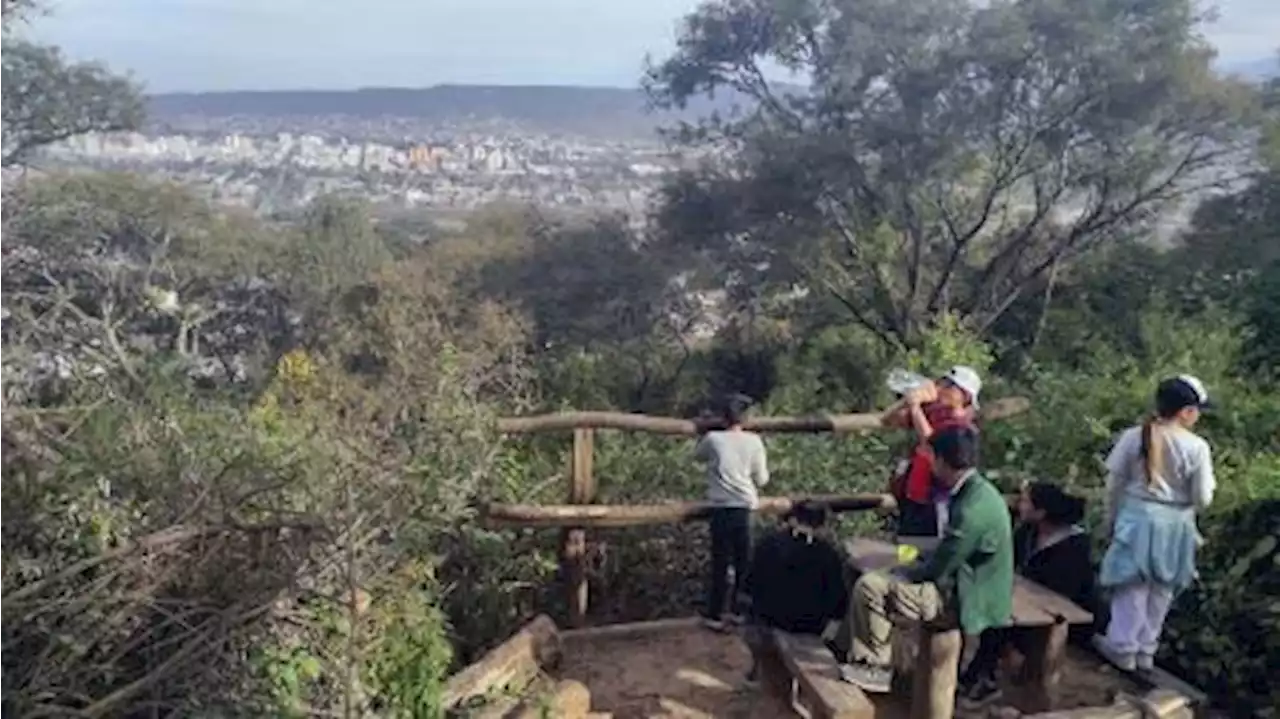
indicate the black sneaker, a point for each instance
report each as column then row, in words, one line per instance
column 978, row 693
column 871, row 678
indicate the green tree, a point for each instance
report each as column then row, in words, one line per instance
column 47, row 98
column 609, row 323
column 1271, row 127
column 948, row 154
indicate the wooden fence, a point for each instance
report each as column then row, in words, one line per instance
column 581, row 512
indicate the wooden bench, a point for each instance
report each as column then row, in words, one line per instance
column 1046, row 614
column 816, row 688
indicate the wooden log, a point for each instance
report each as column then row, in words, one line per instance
column 613, row 515
column 512, row 664
column 1043, row 668
column 573, row 560
column 569, row 700
column 933, row 686
column 628, row 630
column 573, row 555
column 498, row 708
column 865, row 422
column 1157, row 704
column 817, row 689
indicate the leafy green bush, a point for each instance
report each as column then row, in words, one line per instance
column 1225, row 633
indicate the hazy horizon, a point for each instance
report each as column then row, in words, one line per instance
column 176, row 46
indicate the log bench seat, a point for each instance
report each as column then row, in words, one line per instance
column 1047, row 615
column 816, row 688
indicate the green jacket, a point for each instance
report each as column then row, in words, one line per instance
column 973, row 564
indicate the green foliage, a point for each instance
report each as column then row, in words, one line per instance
column 937, row 161
column 228, row 520
column 1225, row 633
column 299, row 529
column 412, row 656
column 948, row 343
column 48, row 99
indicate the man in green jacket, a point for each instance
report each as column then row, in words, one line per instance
column 968, row 578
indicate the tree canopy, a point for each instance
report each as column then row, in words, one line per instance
column 48, row 98
column 948, row 154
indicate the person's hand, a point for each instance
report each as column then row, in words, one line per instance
column 924, row 394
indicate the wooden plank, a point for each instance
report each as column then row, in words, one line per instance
column 1054, row 604
column 512, row 664
column 817, row 675
column 1158, row 704
column 629, row 630
column 869, row 421
column 1027, row 612
column 871, row 555
column 1160, row 679
column 499, row 514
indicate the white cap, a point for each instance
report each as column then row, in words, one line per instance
column 1196, row 386
column 967, row 379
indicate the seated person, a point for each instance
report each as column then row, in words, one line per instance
column 969, row 575
column 950, row 401
column 796, row 582
column 1051, row 549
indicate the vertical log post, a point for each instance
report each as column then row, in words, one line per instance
column 933, row 686
column 574, row 539
column 1043, row 669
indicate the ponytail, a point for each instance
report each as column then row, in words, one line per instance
column 1152, row 450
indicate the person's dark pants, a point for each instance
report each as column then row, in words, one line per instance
column 991, row 647
column 730, row 547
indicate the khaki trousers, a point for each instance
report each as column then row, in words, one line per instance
column 878, row 598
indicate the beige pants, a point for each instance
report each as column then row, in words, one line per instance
column 877, row 599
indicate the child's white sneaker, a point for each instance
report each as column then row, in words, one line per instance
column 1145, row 662
column 1124, row 661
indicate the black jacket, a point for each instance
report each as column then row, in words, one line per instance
column 797, row 582
column 1065, row 566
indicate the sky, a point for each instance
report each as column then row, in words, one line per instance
column 201, row 45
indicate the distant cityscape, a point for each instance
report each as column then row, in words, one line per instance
column 469, row 170
column 265, row 151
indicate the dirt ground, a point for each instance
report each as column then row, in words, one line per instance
column 682, row 674
column 692, row 673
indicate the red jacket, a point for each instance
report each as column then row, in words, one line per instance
column 917, row 483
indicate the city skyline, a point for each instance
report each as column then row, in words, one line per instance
column 215, row 45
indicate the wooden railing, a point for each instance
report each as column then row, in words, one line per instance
column 581, row 512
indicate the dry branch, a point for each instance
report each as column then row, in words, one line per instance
column 866, row 422
column 604, row 515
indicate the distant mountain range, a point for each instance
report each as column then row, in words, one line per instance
column 589, row 110
column 551, row 108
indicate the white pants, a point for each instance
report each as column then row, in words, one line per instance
column 1137, row 617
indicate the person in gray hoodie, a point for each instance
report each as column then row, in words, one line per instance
column 736, row 467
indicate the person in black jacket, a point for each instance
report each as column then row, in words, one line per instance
column 797, row 579
column 1051, row 549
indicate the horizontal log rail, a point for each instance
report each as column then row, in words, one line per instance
column 535, row 516
column 635, row 515
column 870, row 421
